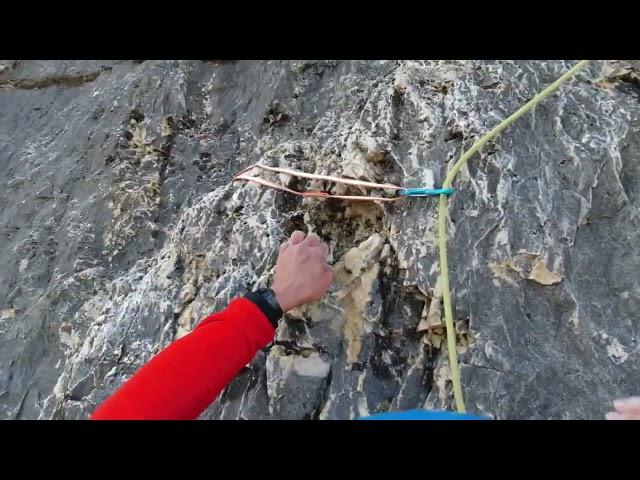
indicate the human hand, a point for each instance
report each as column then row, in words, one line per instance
column 626, row 409
column 302, row 272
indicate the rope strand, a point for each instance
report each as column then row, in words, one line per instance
column 442, row 232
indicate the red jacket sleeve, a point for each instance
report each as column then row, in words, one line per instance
column 186, row 377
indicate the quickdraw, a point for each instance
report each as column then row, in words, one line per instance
column 401, row 192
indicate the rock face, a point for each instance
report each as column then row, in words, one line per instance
column 120, row 231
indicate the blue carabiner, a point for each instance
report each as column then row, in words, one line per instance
column 425, row 192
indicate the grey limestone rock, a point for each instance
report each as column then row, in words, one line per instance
column 120, row 231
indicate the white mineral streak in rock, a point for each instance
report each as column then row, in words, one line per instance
column 442, row 384
column 617, row 352
column 312, row 366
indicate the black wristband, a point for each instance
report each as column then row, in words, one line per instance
column 266, row 301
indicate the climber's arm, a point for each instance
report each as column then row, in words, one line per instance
column 183, row 379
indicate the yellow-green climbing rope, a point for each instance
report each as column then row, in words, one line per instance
column 442, row 233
